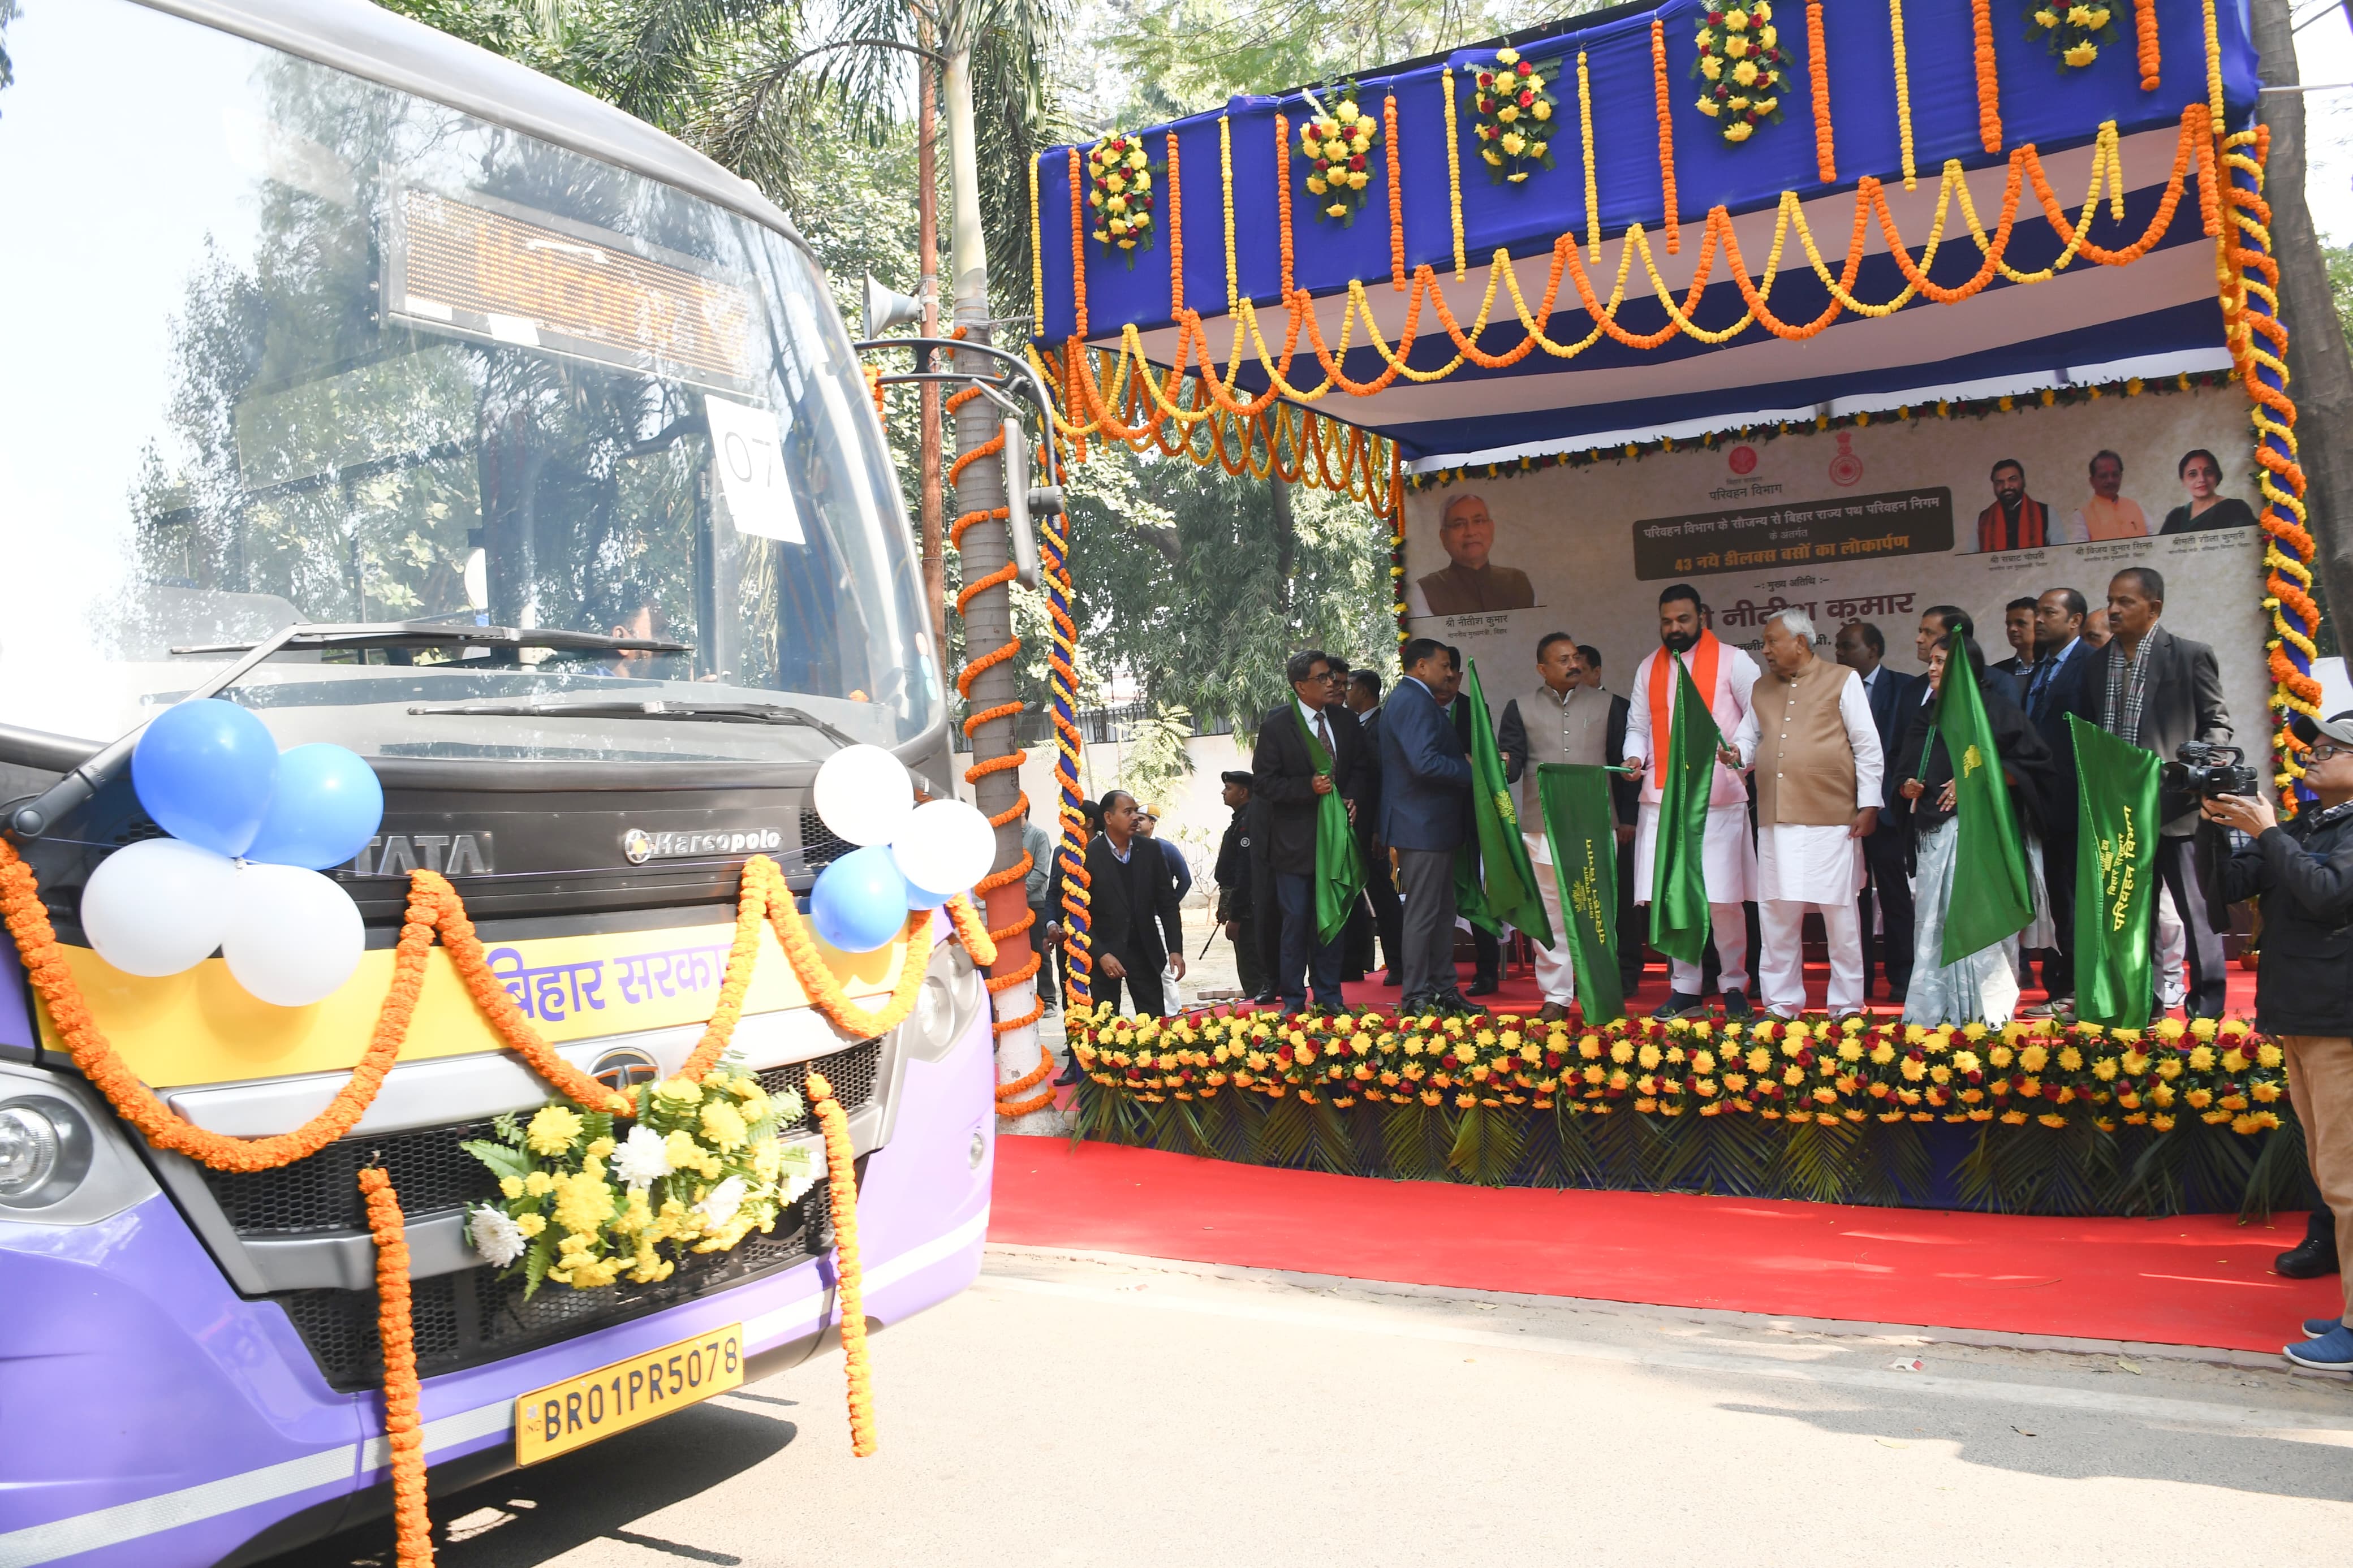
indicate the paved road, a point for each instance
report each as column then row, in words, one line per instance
column 1101, row 1411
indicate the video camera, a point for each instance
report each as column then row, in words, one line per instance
column 2207, row 770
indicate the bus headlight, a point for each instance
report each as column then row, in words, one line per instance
column 45, row 1148
column 951, row 997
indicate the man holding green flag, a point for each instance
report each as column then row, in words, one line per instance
column 1310, row 768
column 1695, row 860
column 1507, row 881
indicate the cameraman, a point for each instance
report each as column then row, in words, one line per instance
column 2303, row 989
column 2160, row 692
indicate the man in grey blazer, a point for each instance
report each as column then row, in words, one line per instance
column 1556, row 721
column 2159, row 692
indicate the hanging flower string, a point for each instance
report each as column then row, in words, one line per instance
column 1902, row 93
column 1989, row 83
column 1664, row 96
column 1743, row 68
column 850, row 1273
column 1397, row 193
column 1118, row 190
column 2073, row 33
column 403, row 1432
column 1818, row 62
column 2145, row 29
column 1338, row 149
column 1516, row 108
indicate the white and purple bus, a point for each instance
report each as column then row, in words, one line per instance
column 528, row 450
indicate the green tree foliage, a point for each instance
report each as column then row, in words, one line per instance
column 2340, row 285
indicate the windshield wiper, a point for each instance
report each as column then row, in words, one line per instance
column 435, row 634
column 646, row 708
column 37, row 815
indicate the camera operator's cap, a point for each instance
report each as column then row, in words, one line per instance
column 2337, row 727
column 1235, row 776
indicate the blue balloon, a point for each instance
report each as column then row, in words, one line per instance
column 920, row 897
column 859, row 901
column 204, row 771
column 328, row 805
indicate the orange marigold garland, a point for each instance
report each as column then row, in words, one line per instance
column 1397, row 193
column 1818, row 61
column 1989, row 83
column 1667, row 133
column 1282, row 193
column 403, row 1432
column 1743, row 69
column 1176, row 233
column 850, row 1275
column 2145, row 25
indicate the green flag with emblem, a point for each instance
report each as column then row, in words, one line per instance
column 1679, row 918
column 1339, row 870
column 1581, row 826
column 2114, row 870
column 1506, row 880
column 1991, row 896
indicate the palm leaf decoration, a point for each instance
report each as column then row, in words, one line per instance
column 2277, row 1178
column 1329, row 1147
column 1280, row 1137
column 1486, row 1145
column 1416, row 1140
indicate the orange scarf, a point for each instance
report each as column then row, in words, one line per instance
column 1702, row 659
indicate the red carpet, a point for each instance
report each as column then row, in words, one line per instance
column 2199, row 1281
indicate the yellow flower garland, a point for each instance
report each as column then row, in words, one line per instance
column 1592, row 175
column 1903, row 92
column 1226, row 179
column 1454, row 169
column 1036, row 258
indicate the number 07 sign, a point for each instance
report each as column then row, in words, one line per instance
column 751, row 463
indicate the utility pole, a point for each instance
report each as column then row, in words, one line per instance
column 985, row 549
column 927, row 290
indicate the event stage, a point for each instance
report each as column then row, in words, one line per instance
column 2200, row 1279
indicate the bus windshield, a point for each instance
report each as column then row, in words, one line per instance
column 289, row 346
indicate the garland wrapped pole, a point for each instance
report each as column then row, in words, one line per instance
column 987, row 681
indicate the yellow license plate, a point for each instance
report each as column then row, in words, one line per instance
column 576, row 1412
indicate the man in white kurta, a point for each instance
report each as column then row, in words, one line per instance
column 1811, row 739
column 1724, row 674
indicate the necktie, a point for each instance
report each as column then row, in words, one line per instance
column 2036, row 686
column 1323, row 734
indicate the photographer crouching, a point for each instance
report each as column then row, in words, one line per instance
column 2302, row 870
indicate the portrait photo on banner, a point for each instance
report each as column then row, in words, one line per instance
column 1874, row 523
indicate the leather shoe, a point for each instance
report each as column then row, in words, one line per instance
column 1736, row 1009
column 2312, row 1256
column 1483, row 985
column 1461, row 1006
column 1390, row 979
column 1552, row 1013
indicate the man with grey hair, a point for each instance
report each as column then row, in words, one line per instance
column 1469, row 584
column 1811, row 739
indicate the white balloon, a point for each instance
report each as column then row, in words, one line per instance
column 946, row 847
column 159, row 906
column 863, row 794
column 293, row 937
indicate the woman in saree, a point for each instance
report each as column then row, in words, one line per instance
column 1981, row 987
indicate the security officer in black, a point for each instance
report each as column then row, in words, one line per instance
column 1236, row 908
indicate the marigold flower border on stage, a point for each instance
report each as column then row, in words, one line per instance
column 1810, row 1110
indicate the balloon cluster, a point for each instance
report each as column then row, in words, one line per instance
column 251, row 829
column 914, row 857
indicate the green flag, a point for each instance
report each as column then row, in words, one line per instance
column 1339, row 871
column 1507, row 881
column 1582, row 827
column 2114, row 870
column 1992, row 895
column 1679, row 919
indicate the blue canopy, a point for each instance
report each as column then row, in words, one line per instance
column 2159, row 311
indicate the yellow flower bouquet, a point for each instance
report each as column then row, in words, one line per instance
column 1121, row 198
column 1338, row 150
column 584, row 1199
column 2073, row 33
column 1516, row 112
column 1743, row 68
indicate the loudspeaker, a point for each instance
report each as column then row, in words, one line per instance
column 885, row 309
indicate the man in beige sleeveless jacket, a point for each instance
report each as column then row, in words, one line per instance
column 1809, row 736
column 1559, row 720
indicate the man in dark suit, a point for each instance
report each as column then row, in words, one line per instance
column 1283, row 775
column 1887, row 852
column 1486, row 947
column 1626, row 793
column 2159, row 692
column 1425, row 812
column 2060, row 684
column 1132, row 906
column 1235, row 915
column 2017, row 630
column 1379, row 912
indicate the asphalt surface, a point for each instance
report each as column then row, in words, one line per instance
column 1078, row 1410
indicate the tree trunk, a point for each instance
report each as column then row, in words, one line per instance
column 927, row 250
column 987, row 548
column 2320, row 370
column 1286, row 540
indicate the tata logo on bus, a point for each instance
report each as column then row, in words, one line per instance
column 638, row 844
column 451, row 854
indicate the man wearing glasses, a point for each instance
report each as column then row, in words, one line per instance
column 1286, row 776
